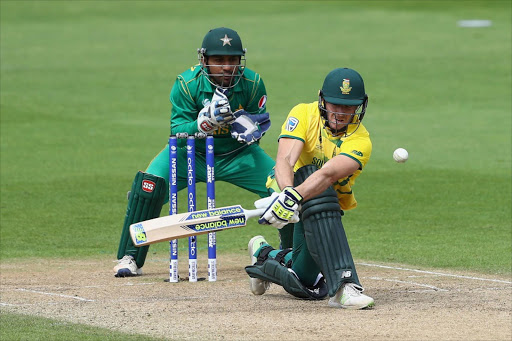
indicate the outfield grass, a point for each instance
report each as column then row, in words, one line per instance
column 84, row 105
column 31, row 328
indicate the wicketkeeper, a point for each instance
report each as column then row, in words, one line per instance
column 218, row 96
column 323, row 147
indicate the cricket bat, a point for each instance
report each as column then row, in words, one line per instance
column 190, row 224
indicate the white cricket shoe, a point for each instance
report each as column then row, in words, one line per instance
column 350, row 296
column 258, row 286
column 126, row 267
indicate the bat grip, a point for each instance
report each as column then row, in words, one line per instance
column 254, row 213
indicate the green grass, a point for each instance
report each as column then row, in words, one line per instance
column 31, row 328
column 84, row 105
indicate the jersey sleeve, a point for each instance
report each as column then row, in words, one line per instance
column 184, row 109
column 258, row 96
column 359, row 149
column 296, row 124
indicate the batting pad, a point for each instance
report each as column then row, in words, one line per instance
column 145, row 202
column 273, row 271
column 325, row 235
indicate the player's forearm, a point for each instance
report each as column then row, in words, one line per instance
column 340, row 167
column 288, row 153
column 316, row 184
column 284, row 174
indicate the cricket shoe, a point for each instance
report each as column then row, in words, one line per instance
column 350, row 296
column 258, row 286
column 126, row 267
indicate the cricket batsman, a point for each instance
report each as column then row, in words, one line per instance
column 220, row 97
column 323, row 148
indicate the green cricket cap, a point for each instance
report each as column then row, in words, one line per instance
column 344, row 86
column 222, row 41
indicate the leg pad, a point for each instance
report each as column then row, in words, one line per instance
column 145, row 202
column 273, row 271
column 325, row 235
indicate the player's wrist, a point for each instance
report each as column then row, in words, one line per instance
column 293, row 194
column 205, row 126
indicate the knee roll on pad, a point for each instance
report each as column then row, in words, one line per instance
column 145, row 202
column 273, row 271
column 325, row 235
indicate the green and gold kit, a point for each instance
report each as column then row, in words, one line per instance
column 192, row 92
column 305, row 123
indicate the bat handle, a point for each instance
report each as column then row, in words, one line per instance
column 254, row 213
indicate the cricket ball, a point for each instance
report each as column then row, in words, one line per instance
column 400, row 155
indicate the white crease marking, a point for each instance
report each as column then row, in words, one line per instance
column 54, row 294
column 406, row 282
column 436, row 273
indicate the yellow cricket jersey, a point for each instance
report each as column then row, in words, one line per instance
column 304, row 123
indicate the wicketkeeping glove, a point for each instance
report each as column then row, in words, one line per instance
column 215, row 115
column 284, row 209
column 249, row 128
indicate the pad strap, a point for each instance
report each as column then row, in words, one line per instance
column 263, row 255
column 280, row 257
column 272, row 271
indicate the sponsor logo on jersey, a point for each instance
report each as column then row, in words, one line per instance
column 148, row 186
column 357, row 152
column 262, row 101
column 291, row 124
column 345, row 86
column 318, row 162
column 346, row 274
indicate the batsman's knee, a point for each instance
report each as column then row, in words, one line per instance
column 274, row 271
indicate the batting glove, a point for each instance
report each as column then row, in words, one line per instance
column 284, row 209
column 215, row 115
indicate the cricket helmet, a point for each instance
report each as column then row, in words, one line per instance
column 343, row 86
column 222, row 41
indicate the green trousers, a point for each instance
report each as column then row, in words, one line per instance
column 302, row 262
column 247, row 168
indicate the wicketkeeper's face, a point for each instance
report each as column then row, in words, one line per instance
column 339, row 115
column 223, row 70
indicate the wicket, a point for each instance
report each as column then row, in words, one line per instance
column 191, row 200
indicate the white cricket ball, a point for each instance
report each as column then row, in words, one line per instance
column 400, row 155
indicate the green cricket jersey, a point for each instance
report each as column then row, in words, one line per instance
column 192, row 92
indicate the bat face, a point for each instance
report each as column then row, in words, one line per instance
column 187, row 224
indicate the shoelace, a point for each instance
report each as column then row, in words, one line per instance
column 356, row 289
column 125, row 259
